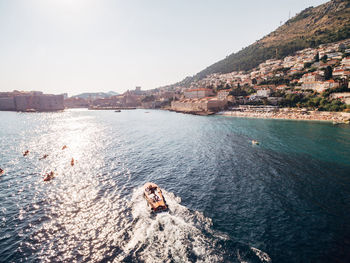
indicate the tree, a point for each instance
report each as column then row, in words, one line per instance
column 220, row 87
column 238, row 92
column 328, row 73
column 317, row 57
column 307, row 64
column 227, row 86
column 148, row 98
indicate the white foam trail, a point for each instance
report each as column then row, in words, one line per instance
column 176, row 235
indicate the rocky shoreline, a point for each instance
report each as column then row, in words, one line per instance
column 200, row 113
column 290, row 114
column 111, row 108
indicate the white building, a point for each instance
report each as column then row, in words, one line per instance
column 263, row 92
column 310, row 77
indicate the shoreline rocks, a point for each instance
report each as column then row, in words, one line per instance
column 200, row 113
column 291, row 114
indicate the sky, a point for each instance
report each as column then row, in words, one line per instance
column 75, row 46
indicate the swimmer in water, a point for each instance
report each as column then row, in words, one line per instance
column 49, row 176
column 44, row 157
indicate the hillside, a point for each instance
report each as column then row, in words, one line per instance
column 313, row 26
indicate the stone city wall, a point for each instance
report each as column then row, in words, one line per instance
column 35, row 102
column 7, row 103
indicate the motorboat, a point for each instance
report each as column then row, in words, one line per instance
column 30, row 110
column 254, row 142
column 154, row 197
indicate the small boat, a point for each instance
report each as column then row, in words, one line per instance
column 117, row 111
column 154, row 197
column 254, row 142
column 2, row 171
column 49, row 176
column 26, row 153
column 30, row 110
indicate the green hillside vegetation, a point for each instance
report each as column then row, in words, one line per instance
column 326, row 23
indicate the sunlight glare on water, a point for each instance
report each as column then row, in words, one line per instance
column 229, row 201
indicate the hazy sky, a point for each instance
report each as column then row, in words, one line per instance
column 100, row 45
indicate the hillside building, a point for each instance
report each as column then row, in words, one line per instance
column 198, row 93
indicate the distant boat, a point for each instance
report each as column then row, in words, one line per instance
column 117, row 111
column 254, row 142
column 154, row 197
column 30, row 110
column 26, row 153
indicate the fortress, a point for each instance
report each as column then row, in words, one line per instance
column 30, row 101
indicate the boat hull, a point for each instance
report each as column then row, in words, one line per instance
column 154, row 197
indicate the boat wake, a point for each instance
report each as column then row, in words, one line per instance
column 108, row 230
column 179, row 235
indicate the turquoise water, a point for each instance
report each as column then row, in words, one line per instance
column 285, row 200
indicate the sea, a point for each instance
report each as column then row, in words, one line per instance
column 286, row 199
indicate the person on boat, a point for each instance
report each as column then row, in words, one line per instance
column 64, row 147
column 72, row 162
column 1, row 171
column 156, row 198
column 152, row 189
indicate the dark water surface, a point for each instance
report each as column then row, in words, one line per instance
column 285, row 200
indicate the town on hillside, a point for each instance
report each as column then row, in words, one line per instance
column 316, row 78
column 313, row 78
